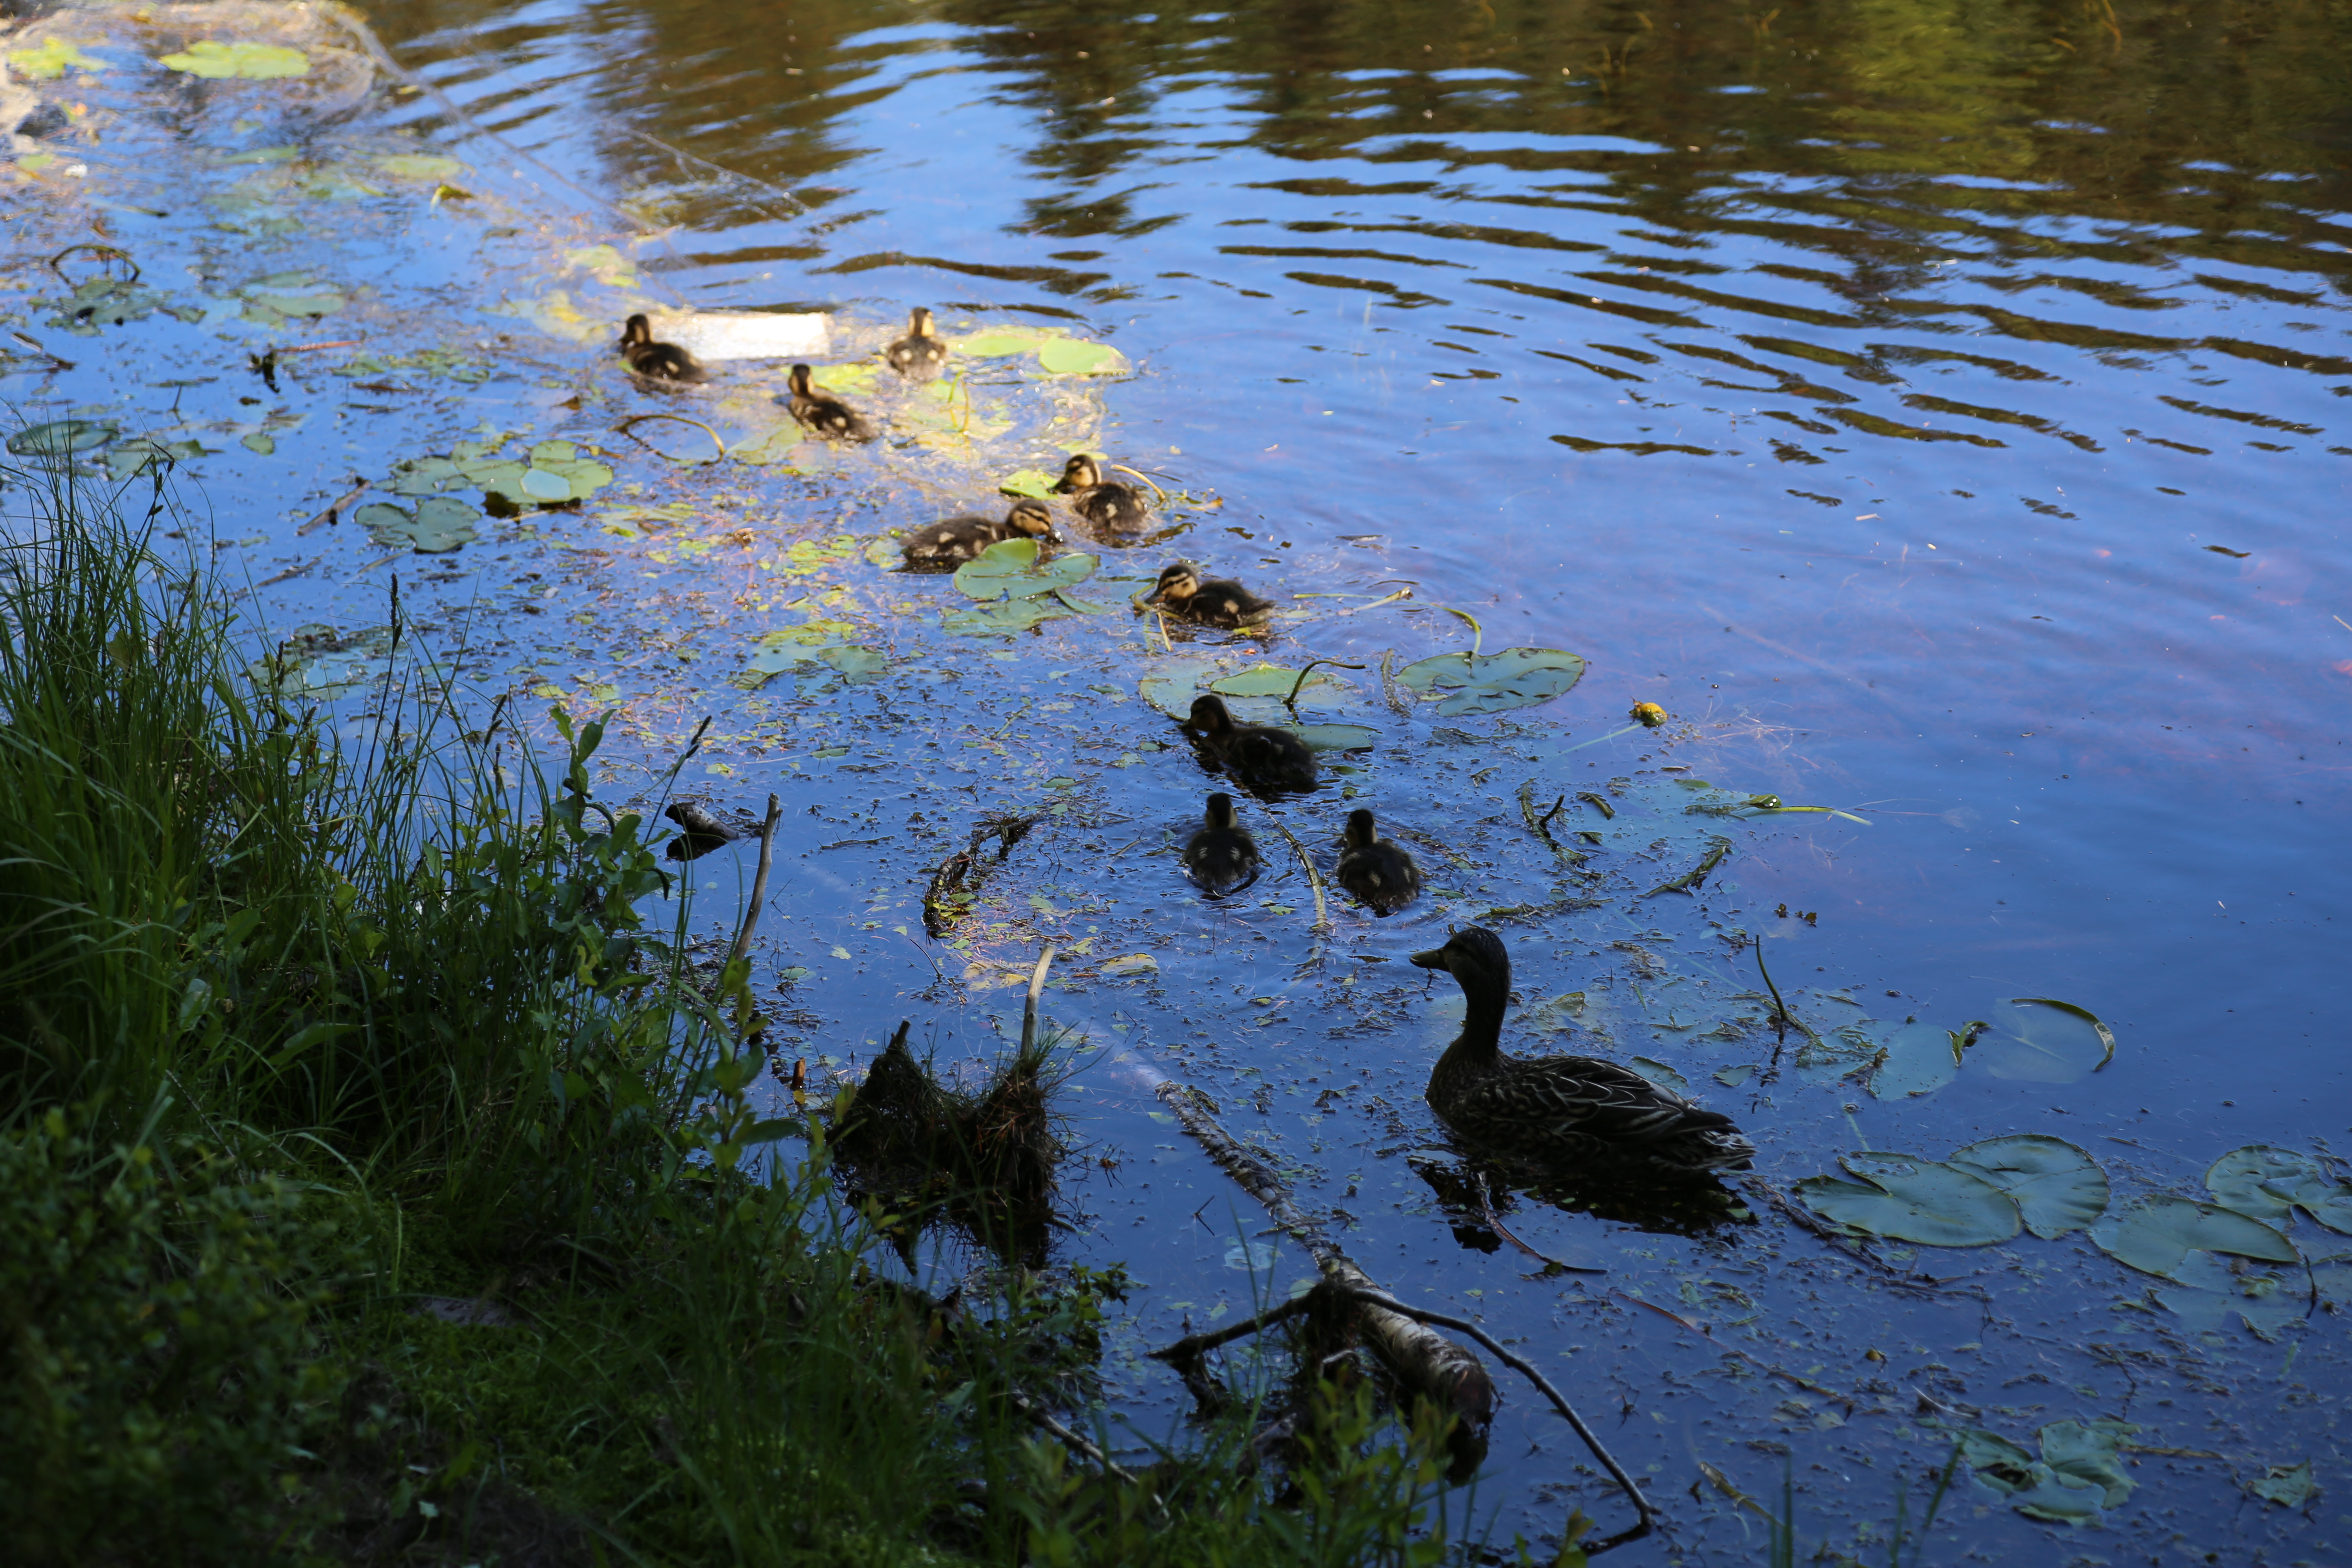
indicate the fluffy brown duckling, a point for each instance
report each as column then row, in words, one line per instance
column 1560, row 1111
column 658, row 362
column 1105, row 503
column 960, row 538
column 821, row 414
column 1378, row 872
column 1210, row 602
column 1221, row 857
column 919, row 355
column 1259, row 755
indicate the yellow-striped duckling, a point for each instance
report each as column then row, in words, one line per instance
column 1210, row 601
column 1259, row 755
column 658, row 362
column 960, row 538
column 1378, row 872
column 1221, row 857
column 822, row 413
column 1105, row 503
column 919, row 355
column 1560, row 1111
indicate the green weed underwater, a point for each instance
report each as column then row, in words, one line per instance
column 375, row 1186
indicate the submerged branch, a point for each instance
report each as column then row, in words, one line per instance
column 1541, row 825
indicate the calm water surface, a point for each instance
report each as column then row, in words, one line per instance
column 1944, row 411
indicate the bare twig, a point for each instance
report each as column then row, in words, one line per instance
column 1029, row 1009
column 1193, row 1346
column 1541, row 825
column 1314, row 878
column 1070, row 1440
column 759, row 880
column 1495, row 1224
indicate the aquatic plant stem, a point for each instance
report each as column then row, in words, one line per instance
column 1291, row 701
column 1780, row 1019
column 759, row 880
column 1036, row 988
column 1314, row 878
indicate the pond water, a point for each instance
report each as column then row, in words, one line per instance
column 2005, row 345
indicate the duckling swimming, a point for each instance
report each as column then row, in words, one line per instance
column 824, row 414
column 1105, row 503
column 1221, row 857
column 960, row 538
column 1559, row 1111
column 1379, row 873
column 658, row 362
column 1259, row 755
column 1210, row 602
column 919, row 355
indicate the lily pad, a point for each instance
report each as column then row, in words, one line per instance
column 1074, row 357
column 424, row 477
column 2057, row 1187
column 782, row 652
column 2289, row 1486
column 1919, row 1061
column 1912, row 1199
column 48, row 62
column 2030, row 1041
column 210, row 59
column 2266, row 1183
column 1494, row 682
column 61, row 437
column 552, row 473
column 2265, row 1302
column 2155, row 1234
column 1009, row 568
column 420, row 165
column 1004, row 617
column 1336, row 737
column 1662, row 1075
column 1133, row 963
column 128, row 459
column 439, row 524
column 1263, row 680
column 1032, row 482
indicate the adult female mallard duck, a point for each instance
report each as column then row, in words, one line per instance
column 658, row 362
column 959, row 538
column 1105, row 503
column 1210, row 602
column 1559, row 1111
column 1221, row 857
column 1383, row 875
column 824, row 414
column 919, row 355
column 1260, row 755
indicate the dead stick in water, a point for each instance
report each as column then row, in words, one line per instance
column 1495, row 1222
column 759, row 880
column 1036, row 987
column 1314, row 878
column 1071, row 1440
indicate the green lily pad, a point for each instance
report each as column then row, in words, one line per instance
column 439, row 524
column 1263, row 680
column 128, row 459
column 2289, row 1486
column 2087, row 1453
column 2034, row 1042
column 779, row 652
column 317, row 303
column 1494, row 682
column 1009, row 568
column 61, row 437
column 1034, row 482
column 1662, row 1075
column 2157, row 1235
column 1911, row 1199
column 2267, row 1183
column 1074, row 357
column 1919, row 1061
column 49, row 61
column 553, row 473
column 2079, row 1475
column 995, row 345
column 215, row 60
column 1336, row 737
column 1003, row 618
column 424, row 477
column 2057, row 1187
column 420, row 166
column 2265, row 1302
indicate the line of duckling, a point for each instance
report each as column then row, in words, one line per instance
column 1553, row 1111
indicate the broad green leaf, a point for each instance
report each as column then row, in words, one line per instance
column 2106, row 1035
column 420, row 166
column 1494, row 682
column 61, row 437
column 439, row 525
column 1919, row 1061
column 1263, row 680
column 2265, row 1183
column 1912, row 1199
column 1662, row 1075
column 2289, row 1486
column 2087, row 1453
column 1035, row 483
column 424, row 476
column 2156, row 1236
column 216, row 60
column 48, row 62
column 1074, row 356
column 996, row 344
column 1003, row 617
column 319, row 302
column 1009, row 568
column 2004, row 1466
column 1336, row 737
column 2057, row 1187
column 2037, row 1044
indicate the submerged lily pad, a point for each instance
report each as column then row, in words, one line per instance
column 1493, row 682
column 2267, row 1183
column 1912, row 1199
column 1009, row 568
column 1919, row 1061
column 215, row 60
column 61, row 437
column 789, row 650
column 438, row 525
column 2157, row 1235
column 2057, row 1187
column 2033, row 1041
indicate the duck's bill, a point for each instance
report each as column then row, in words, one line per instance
column 1434, row 959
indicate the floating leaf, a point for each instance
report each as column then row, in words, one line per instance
column 1918, row 1200
column 1919, row 1061
column 1004, row 617
column 2289, row 1486
column 2156, row 1236
column 1336, row 737
column 2087, row 1453
column 2032, row 1045
column 1009, row 568
column 1662, row 1075
column 2057, row 1187
column 1263, row 680
column 439, row 525
column 319, row 302
column 215, row 60
column 61, row 437
column 2265, row 1182
column 995, row 345
column 552, row 473
column 424, row 477
column 1032, row 482
column 1133, row 963
column 1074, row 356
column 49, row 60
column 1493, row 683
column 419, row 166
column 2106, row 1035
column 2216, row 1292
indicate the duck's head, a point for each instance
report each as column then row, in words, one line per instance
column 919, row 322
column 1221, row 811
column 1360, row 833
column 1177, row 584
column 799, row 381
column 638, row 330
column 1030, row 517
column 1209, row 716
column 1081, row 472
column 1473, row 955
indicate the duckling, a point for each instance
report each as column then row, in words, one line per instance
column 960, row 538
column 1211, row 602
column 658, row 362
column 824, row 414
column 1105, row 503
column 1559, row 1111
column 1383, row 875
column 1221, row 857
column 919, row 355
column 1259, row 755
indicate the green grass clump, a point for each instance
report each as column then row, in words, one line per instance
column 318, row 1031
